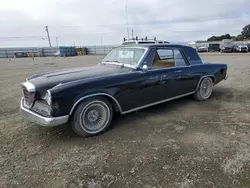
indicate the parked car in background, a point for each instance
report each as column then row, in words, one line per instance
column 240, row 47
column 128, row 79
column 248, row 46
column 226, row 49
column 202, row 49
column 20, row 54
column 214, row 47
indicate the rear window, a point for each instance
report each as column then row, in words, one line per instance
column 191, row 54
column 214, row 45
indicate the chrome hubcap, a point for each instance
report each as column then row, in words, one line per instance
column 206, row 88
column 94, row 117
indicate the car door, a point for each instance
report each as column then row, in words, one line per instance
column 149, row 87
column 176, row 75
column 162, row 66
column 153, row 85
column 141, row 88
column 163, row 80
column 185, row 75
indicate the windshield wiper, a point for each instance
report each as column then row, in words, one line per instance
column 115, row 61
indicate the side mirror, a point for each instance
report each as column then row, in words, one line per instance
column 144, row 68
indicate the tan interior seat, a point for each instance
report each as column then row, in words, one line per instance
column 162, row 63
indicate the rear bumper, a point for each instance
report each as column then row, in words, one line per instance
column 41, row 120
column 227, row 50
column 242, row 50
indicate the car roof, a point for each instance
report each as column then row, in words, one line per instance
column 155, row 45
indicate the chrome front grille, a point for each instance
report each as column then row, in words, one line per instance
column 25, row 93
column 28, row 94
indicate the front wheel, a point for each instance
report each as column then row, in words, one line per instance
column 205, row 89
column 92, row 116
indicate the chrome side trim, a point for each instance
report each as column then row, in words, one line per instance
column 168, row 68
column 93, row 95
column 143, row 57
column 41, row 120
column 152, row 104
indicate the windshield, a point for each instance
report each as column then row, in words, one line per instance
column 125, row 56
column 229, row 44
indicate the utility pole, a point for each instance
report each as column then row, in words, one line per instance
column 127, row 17
column 57, row 42
column 47, row 30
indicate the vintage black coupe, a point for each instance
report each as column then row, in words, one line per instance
column 129, row 78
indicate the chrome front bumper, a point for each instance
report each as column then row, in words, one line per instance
column 41, row 120
column 226, row 77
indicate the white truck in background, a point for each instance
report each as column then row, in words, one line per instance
column 226, row 46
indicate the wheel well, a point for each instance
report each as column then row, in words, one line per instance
column 115, row 105
column 213, row 79
column 210, row 76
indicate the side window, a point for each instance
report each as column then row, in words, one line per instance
column 179, row 60
column 165, row 54
column 163, row 58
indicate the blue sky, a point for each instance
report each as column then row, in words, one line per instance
column 96, row 21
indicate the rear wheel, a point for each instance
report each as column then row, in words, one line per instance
column 205, row 89
column 92, row 116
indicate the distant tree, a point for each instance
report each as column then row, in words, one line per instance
column 218, row 38
column 213, row 38
column 238, row 38
column 246, row 32
column 227, row 36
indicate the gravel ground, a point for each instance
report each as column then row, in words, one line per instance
column 183, row 143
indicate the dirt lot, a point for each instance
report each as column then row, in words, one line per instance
column 183, row 143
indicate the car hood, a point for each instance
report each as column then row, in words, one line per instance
column 242, row 46
column 45, row 81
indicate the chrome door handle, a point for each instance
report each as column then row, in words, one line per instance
column 164, row 77
column 153, row 77
column 178, row 71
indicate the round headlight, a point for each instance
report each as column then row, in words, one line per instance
column 48, row 97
